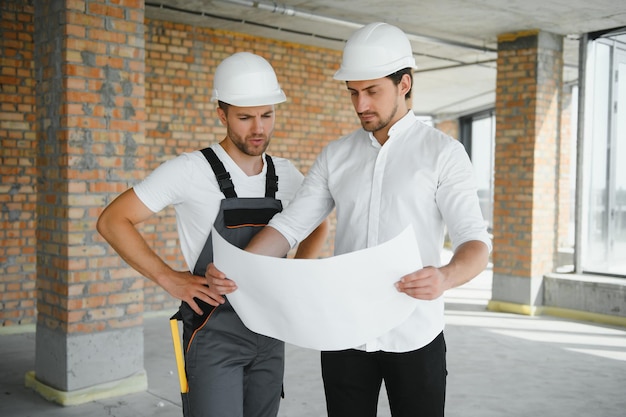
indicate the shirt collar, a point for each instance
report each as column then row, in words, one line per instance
column 398, row 128
column 402, row 125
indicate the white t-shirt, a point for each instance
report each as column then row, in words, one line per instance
column 188, row 183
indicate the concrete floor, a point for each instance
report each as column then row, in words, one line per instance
column 499, row 365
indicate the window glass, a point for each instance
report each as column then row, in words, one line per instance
column 478, row 137
column 604, row 204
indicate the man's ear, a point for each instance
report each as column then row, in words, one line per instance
column 222, row 115
column 405, row 84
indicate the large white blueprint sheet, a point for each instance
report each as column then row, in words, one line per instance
column 334, row 303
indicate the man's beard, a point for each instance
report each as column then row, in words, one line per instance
column 382, row 123
column 246, row 148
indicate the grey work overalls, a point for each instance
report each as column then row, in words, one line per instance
column 232, row 371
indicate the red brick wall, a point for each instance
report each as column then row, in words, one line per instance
column 17, row 164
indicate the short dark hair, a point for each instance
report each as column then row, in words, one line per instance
column 224, row 106
column 396, row 77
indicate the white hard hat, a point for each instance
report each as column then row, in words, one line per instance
column 245, row 80
column 374, row 51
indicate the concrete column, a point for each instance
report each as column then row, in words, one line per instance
column 528, row 103
column 89, row 68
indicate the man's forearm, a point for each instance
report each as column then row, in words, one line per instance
column 311, row 247
column 130, row 245
column 269, row 242
column 117, row 225
column 469, row 260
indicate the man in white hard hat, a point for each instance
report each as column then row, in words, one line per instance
column 392, row 173
column 234, row 186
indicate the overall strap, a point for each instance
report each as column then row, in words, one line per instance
column 223, row 177
column 225, row 182
column 271, row 179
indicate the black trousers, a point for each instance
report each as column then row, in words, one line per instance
column 415, row 381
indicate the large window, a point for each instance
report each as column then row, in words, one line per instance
column 478, row 137
column 603, row 216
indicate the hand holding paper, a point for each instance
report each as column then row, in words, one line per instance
column 326, row 304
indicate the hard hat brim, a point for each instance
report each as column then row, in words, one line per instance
column 247, row 101
column 372, row 73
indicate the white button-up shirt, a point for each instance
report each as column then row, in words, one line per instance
column 420, row 176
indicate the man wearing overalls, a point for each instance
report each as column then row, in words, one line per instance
column 235, row 187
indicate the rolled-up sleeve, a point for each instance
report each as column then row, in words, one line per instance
column 457, row 198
